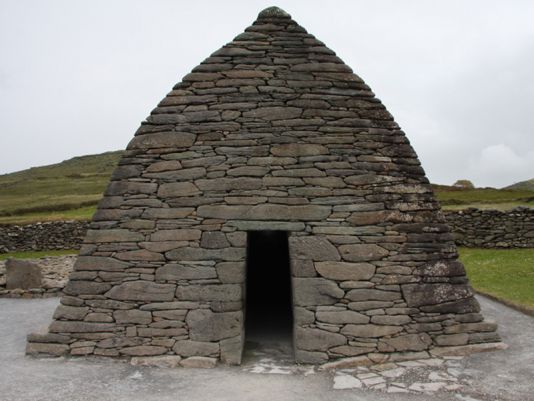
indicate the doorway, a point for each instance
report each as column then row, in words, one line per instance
column 268, row 309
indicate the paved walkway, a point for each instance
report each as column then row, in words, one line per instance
column 266, row 374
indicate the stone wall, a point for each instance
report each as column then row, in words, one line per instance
column 470, row 227
column 42, row 236
column 493, row 228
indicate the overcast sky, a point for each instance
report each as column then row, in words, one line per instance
column 77, row 77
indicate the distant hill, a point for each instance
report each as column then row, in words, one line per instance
column 71, row 184
column 71, row 189
column 527, row 185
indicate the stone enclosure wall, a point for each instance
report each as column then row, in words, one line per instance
column 470, row 227
column 493, row 228
column 42, row 236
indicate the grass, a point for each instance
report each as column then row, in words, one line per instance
column 36, row 254
column 73, row 185
column 84, row 213
column 482, row 198
column 505, row 274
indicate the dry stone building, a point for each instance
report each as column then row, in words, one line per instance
column 269, row 186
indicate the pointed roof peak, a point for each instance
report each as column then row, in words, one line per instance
column 273, row 12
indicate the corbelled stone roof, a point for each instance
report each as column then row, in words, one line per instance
column 271, row 132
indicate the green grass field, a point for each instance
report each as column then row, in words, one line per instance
column 506, row 274
column 483, row 198
column 52, row 192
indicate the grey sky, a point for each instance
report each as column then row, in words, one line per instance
column 77, row 77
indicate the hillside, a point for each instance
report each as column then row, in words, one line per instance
column 71, row 189
column 527, row 185
column 72, row 184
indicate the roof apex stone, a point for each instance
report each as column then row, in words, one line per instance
column 273, row 12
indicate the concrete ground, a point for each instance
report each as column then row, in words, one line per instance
column 266, row 373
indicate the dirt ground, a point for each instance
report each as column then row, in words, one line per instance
column 267, row 372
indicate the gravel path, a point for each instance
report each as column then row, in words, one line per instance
column 266, row 374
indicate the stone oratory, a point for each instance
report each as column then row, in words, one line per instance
column 269, row 190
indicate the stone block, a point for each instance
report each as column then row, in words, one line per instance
column 205, row 325
column 210, row 292
column 349, row 350
column 142, row 291
column 231, row 272
column 192, row 254
column 342, row 317
column 214, row 240
column 48, row 338
column 274, row 113
column 452, row 339
column 112, row 235
column 394, row 320
column 70, row 312
column 408, row 342
column 309, row 357
column 302, row 268
column 298, row 149
column 162, row 140
column 462, row 350
column 362, row 252
column 156, row 332
column 165, row 361
column 22, row 274
column 176, row 235
column 172, row 271
column 232, row 349
column 101, row 263
column 431, row 294
column 303, row 316
column 368, row 218
column 170, row 305
column 177, row 189
column 345, row 271
column 143, row 350
column 467, row 305
column 370, row 330
column 200, row 362
column 315, row 291
column 46, row 349
column 312, row 247
column 229, row 184
column 64, row 326
column 188, row 348
column 365, row 294
column 316, row 339
column 79, row 287
column 132, row 316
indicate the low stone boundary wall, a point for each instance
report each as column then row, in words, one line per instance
column 471, row 228
column 493, row 228
column 42, row 236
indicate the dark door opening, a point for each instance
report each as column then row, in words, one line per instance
column 269, row 316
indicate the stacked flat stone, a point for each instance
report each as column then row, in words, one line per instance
column 271, row 132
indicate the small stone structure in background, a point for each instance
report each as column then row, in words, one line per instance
column 21, row 274
column 53, row 270
column 271, row 133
